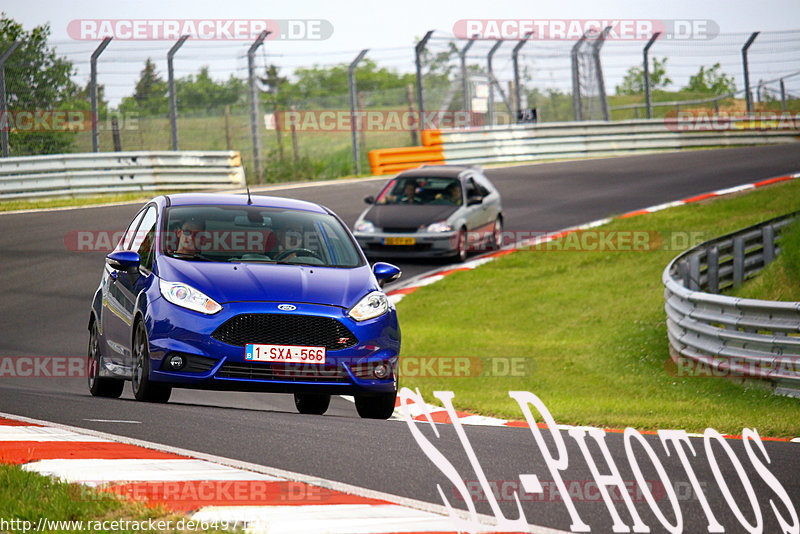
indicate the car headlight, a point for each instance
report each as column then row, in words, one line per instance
column 440, row 226
column 365, row 226
column 188, row 297
column 372, row 305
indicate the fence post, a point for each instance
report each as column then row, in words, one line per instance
column 493, row 83
column 173, row 107
column 646, row 64
column 598, row 67
column 93, row 92
column 420, row 46
column 351, row 82
column 251, row 77
column 462, row 55
column 747, row 95
column 515, row 62
column 4, row 126
column 410, row 97
column 295, row 146
column 577, row 107
column 783, row 95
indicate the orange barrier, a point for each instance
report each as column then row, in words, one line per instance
column 391, row 160
column 431, row 137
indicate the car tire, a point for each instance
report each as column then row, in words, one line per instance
column 376, row 406
column 461, row 246
column 497, row 234
column 100, row 386
column 143, row 389
column 311, row 403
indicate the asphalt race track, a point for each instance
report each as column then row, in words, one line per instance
column 46, row 291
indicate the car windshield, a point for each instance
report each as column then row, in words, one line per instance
column 257, row 234
column 422, row 190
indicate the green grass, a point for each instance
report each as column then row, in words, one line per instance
column 27, row 496
column 780, row 280
column 591, row 328
column 16, row 205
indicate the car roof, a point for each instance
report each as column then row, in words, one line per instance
column 437, row 171
column 262, row 201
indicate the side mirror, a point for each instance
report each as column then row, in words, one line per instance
column 123, row 260
column 473, row 200
column 369, row 199
column 385, row 272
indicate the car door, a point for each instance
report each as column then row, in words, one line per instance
column 112, row 307
column 479, row 214
column 122, row 289
column 491, row 198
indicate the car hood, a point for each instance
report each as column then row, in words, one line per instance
column 408, row 215
column 228, row 282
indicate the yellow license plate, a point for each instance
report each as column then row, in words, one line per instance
column 399, row 241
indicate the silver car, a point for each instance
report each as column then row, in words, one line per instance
column 432, row 211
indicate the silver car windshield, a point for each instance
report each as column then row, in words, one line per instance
column 422, row 190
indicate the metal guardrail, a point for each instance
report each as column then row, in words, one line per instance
column 730, row 336
column 118, row 172
column 599, row 138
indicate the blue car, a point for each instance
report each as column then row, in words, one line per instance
column 244, row 293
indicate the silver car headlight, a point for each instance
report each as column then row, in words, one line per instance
column 372, row 305
column 188, row 297
column 365, row 226
column 440, row 226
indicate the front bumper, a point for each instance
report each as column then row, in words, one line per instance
column 426, row 244
column 349, row 371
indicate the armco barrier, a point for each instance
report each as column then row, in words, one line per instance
column 118, row 172
column 588, row 139
column 730, row 336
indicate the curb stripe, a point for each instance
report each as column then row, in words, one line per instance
column 95, row 472
column 22, row 452
column 41, row 433
column 188, row 495
column 4, row 421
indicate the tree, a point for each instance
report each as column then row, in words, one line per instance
column 37, row 80
column 711, row 81
column 204, row 93
column 633, row 83
column 328, row 86
column 150, row 96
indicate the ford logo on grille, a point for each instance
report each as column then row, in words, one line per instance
column 286, row 307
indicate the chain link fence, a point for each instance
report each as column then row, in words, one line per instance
column 307, row 105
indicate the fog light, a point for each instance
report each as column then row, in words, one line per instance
column 381, row 370
column 176, row 362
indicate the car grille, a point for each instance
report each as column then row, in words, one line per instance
column 283, row 372
column 285, row 329
column 399, row 230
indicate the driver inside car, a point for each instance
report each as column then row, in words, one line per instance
column 188, row 238
column 290, row 237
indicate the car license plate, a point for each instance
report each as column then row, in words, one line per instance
column 399, row 241
column 284, row 354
